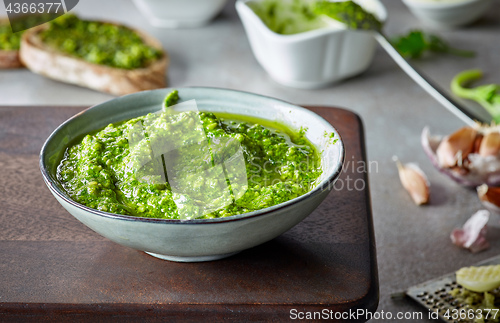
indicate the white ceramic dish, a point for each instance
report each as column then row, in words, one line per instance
column 447, row 14
column 314, row 58
column 200, row 239
column 180, row 13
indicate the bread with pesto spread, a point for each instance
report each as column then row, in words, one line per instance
column 39, row 54
column 9, row 53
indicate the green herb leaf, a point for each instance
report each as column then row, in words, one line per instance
column 412, row 45
column 416, row 43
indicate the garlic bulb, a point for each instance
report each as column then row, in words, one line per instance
column 470, row 156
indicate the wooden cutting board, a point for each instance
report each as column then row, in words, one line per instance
column 54, row 268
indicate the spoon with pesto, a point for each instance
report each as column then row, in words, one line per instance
column 355, row 17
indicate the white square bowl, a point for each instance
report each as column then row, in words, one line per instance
column 180, row 13
column 311, row 59
column 447, row 14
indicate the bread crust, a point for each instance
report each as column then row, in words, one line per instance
column 46, row 61
column 10, row 59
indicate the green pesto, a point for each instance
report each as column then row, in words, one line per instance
column 8, row 39
column 12, row 40
column 102, row 170
column 349, row 13
column 99, row 43
column 171, row 99
column 297, row 16
column 287, row 17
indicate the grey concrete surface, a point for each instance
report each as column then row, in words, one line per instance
column 413, row 243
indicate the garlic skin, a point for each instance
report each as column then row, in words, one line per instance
column 473, row 169
column 489, row 197
column 472, row 235
column 414, row 181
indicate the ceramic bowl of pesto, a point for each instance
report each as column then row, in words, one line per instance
column 301, row 52
column 199, row 239
column 448, row 14
column 180, row 13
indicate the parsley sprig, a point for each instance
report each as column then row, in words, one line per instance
column 488, row 95
column 416, row 43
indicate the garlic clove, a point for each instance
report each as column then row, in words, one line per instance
column 414, row 181
column 454, row 148
column 477, row 143
column 472, row 235
column 490, row 197
column 490, row 145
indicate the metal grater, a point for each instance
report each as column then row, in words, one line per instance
column 434, row 294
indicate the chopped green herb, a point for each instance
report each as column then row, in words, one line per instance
column 330, row 136
column 416, row 43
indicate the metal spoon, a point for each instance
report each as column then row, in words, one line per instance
column 355, row 17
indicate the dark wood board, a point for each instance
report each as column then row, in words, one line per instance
column 53, row 268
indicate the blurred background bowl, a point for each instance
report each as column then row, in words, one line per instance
column 448, row 14
column 314, row 58
column 199, row 239
column 180, row 13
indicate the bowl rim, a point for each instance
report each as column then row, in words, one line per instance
column 244, row 10
column 438, row 5
column 325, row 184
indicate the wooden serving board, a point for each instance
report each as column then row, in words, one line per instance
column 53, row 268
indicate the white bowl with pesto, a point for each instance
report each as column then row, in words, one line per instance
column 180, row 13
column 198, row 239
column 313, row 58
column 448, row 14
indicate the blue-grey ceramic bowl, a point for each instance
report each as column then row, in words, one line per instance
column 199, row 239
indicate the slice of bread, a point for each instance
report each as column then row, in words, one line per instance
column 9, row 58
column 45, row 60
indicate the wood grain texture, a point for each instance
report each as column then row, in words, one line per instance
column 54, row 268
